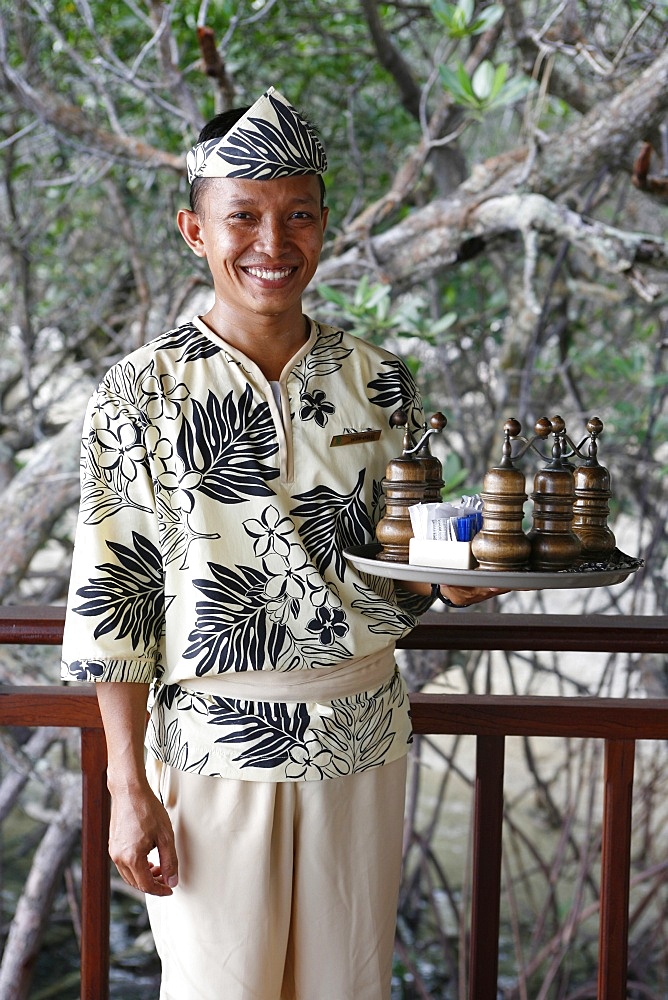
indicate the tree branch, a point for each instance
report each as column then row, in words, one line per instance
column 32, row 911
column 160, row 18
column 446, row 232
column 564, row 82
column 69, row 119
column 391, row 59
column 35, row 499
column 605, row 137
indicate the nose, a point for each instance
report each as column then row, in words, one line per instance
column 272, row 234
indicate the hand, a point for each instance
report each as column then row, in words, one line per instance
column 462, row 597
column 140, row 823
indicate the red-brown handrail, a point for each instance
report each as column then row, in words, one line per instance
column 619, row 722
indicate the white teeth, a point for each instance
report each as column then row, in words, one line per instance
column 267, row 275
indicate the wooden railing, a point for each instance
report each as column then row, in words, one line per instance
column 619, row 722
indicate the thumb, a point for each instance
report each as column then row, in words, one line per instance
column 169, row 863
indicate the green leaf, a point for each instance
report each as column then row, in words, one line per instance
column 465, row 81
column 482, row 80
column 487, row 19
column 514, row 90
column 500, row 74
column 444, row 323
column 452, row 83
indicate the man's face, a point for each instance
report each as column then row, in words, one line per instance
column 261, row 239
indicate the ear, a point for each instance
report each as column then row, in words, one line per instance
column 325, row 216
column 191, row 230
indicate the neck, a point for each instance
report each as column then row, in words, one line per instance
column 270, row 342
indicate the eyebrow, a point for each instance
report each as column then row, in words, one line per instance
column 237, row 201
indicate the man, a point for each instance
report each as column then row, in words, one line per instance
column 208, row 572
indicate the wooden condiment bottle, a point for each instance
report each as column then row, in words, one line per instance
column 590, row 510
column 554, row 545
column 413, row 477
column 501, row 544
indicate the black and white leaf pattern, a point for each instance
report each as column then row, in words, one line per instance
column 389, row 620
column 105, row 492
column 358, row 732
column 263, row 150
column 129, row 595
column 242, row 625
column 167, row 743
column 226, row 444
column 394, row 388
column 191, row 342
column 232, row 630
column 177, row 533
column 332, row 522
column 326, row 357
column 267, row 729
column 181, row 433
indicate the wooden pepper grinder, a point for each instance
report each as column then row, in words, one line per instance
column 590, row 510
column 409, row 479
column 433, row 470
column 501, row 543
column 554, row 545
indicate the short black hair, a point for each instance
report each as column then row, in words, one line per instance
column 216, row 128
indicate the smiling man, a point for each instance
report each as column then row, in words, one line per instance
column 262, row 242
column 225, row 467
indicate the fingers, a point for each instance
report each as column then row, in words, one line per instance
column 145, row 877
column 141, row 844
column 465, row 596
column 141, row 872
column 169, row 866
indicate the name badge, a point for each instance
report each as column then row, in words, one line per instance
column 351, row 436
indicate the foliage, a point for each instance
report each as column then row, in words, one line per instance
column 460, row 20
column 486, row 90
column 375, row 316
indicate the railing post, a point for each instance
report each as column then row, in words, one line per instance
column 615, row 870
column 95, row 865
column 486, row 888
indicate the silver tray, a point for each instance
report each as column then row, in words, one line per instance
column 362, row 557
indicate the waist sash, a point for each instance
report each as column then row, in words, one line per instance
column 349, row 677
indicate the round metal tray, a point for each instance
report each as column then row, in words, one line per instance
column 362, row 557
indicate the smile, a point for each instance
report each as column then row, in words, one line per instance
column 267, row 274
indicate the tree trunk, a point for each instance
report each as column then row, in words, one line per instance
column 33, row 909
column 35, row 499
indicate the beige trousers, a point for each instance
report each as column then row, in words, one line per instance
column 287, row 891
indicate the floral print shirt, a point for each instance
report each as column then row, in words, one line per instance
column 214, row 514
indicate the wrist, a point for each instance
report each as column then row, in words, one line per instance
column 438, row 595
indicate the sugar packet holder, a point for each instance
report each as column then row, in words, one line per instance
column 442, row 533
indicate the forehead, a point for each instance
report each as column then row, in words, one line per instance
column 229, row 192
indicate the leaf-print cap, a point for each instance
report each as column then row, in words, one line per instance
column 271, row 140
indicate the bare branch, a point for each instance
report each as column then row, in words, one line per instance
column 35, row 499
column 605, row 137
column 214, row 65
column 33, row 908
column 391, row 59
column 565, row 81
column 448, row 231
column 167, row 49
column 70, row 119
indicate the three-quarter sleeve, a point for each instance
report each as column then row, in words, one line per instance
column 115, row 610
